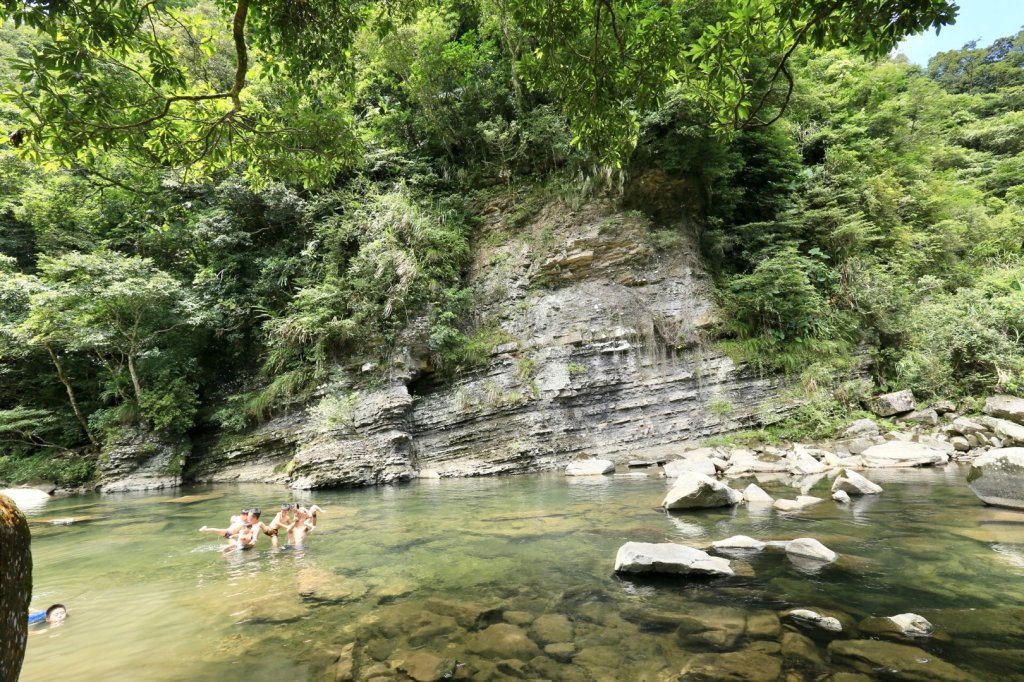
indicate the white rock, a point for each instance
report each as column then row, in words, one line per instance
column 590, row 467
column 814, row 618
column 811, row 549
column 1005, row 407
column 1009, row 432
column 694, row 490
column 801, row 502
column 841, row 496
column 997, row 477
column 892, row 403
column 702, row 465
column 754, row 494
column 965, row 426
column 902, row 454
column 912, row 624
column 801, row 462
column 853, row 483
column 668, row 557
column 960, row 444
column 738, row 542
column 27, row 499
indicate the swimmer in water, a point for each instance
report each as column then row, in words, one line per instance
column 244, row 539
column 54, row 615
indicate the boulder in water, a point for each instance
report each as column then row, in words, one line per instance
column 590, row 467
column 908, row 624
column 754, row 494
column 738, row 542
column 997, row 477
column 693, row 490
column 899, row 661
column 854, row 484
column 668, row 557
column 841, row 496
column 815, row 619
column 809, row 548
column 801, row 502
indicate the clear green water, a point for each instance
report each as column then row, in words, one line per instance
column 150, row 598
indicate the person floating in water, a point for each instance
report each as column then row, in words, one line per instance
column 51, row 616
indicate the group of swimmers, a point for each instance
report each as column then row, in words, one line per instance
column 296, row 521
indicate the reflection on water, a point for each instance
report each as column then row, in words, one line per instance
column 511, row 577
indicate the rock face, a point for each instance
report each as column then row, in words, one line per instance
column 603, row 354
column 893, row 403
column 696, row 491
column 590, row 467
column 141, row 461
column 997, row 477
column 853, row 483
column 668, row 557
column 15, row 588
column 903, row 454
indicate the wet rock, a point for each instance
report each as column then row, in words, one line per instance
column 807, row 617
column 552, row 628
column 754, row 494
column 344, row 671
column 801, row 502
column 801, row 650
column 854, row 484
column 765, row 647
column 997, row 477
column 590, row 467
column 903, row 454
column 668, row 557
column 890, row 404
column 694, row 491
column 424, row 666
column 841, row 496
column 810, row 548
column 906, row 624
column 739, row 542
column 746, row 666
column 1005, row 407
column 503, row 640
column 861, row 427
column 715, row 627
column 324, row 587
column 763, row 625
column 561, row 651
column 899, row 661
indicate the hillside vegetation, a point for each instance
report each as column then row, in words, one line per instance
column 878, row 222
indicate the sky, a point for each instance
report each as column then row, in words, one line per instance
column 981, row 20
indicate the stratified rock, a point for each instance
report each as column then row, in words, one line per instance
column 854, row 484
column 801, row 502
column 997, row 477
column 892, row 403
column 861, row 427
column 899, row 661
column 754, row 494
column 841, row 496
column 736, row 666
column 503, row 640
column 141, row 460
column 1005, row 407
column 814, row 619
column 694, row 491
column 590, row 467
column 668, row 557
column 811, row 549
column 15, row 587
column 738, row 542
column 902, row 454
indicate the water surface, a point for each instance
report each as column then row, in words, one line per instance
column 428, row 567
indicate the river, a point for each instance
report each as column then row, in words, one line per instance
column 428, row 569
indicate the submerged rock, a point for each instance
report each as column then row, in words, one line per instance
column 997, row 477
column 908, row 624
column 747, row 665
column 738, row 542
column 801, row 502
column 813, row 618
column 503, row 640
column 694, row 491
column 854, row 484
column 590, row 467
column 899, row 661
column 668, row 557
column 902, row 454
column 810, row 548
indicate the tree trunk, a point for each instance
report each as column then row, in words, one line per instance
column 135, row 381
column 71, row 396
column 15, row 588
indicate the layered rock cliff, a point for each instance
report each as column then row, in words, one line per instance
column 601, row 313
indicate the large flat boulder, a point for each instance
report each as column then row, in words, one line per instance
column 1005, row 407
column 590, row 467
column 694, row 490
column 997, row 477
column 668, row 557
column 893, row 403
column 898, row 453
column 899, row 661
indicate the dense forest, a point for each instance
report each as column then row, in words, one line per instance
column 188, row 278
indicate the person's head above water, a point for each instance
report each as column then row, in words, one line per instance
column 56, row 613
column 254, row 514
column 287, row 507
